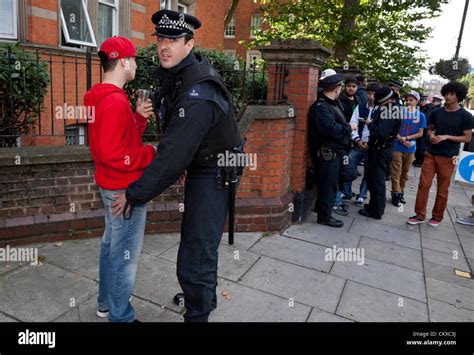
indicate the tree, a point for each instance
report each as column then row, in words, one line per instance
column 231, row 12
column 23, row 86
column 379, row 37
column 452, row 69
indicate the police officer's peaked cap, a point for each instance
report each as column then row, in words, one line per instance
column 437, row 98
column 173, row 24
column 383, row 94
column 329, row 78
column 396, row 83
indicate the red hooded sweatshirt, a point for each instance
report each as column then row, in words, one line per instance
column 115, row 138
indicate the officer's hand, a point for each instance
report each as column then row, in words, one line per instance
column 353, row 126
column 144, row 109
column 119, row 204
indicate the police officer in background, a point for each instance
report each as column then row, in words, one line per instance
column 383, row 131
column 329, row 138
column 199, row 125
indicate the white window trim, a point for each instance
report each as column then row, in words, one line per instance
column 185, row 7
column 14, row 35
column 225, row 29
column 115, row 17
column 167, row 5
column 88, row 20
column 252, row 24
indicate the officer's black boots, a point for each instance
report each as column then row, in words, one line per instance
column 332, row 222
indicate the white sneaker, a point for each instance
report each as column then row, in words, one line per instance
column 104, row 313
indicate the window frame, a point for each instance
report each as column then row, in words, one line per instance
column 67, row 39
column 184, row 6
column 115, row 17
column 14, row 35
column 233, row 23
column 252, row 24
column 167, row 5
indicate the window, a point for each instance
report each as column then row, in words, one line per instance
column 230, row 29
column 8, row 25
column 75, row 135
column 255, row 25
column 76, row 24
column 165, row 4
column 253, row 57
column 108, row 19
column 182, row 8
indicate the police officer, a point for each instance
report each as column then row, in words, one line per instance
column 199, row 126
column 329, row 138
column 383, row 131
column 421, row 143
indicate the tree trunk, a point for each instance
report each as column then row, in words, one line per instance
column 343, row 45
column 230, row 13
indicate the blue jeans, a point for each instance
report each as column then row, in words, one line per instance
column 120, row 251
column 355, row 157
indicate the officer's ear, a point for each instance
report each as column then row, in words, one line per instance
column 189, row 43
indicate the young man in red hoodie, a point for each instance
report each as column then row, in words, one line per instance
column 120, row 157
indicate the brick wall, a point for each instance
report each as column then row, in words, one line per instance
column 51, row 195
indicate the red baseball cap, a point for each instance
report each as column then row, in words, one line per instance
column 118, row 47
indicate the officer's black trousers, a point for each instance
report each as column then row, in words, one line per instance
column 377, row 163
column 327, row 180
column 206, row 209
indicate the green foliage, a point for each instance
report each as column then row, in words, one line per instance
column 370, row 35
column 452, row 69
column 468, row 80
column 24, row 82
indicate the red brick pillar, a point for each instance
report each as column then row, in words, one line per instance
column 302, row 60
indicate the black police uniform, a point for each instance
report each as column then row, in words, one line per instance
column 422, row 142
column 381, row 143
column 329, row 138
column 199, row 124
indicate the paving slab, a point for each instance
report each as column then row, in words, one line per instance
column 246, row 304
column 392, row 254
column 367, row 304
column 232, row 262
column 43, row 293
column 450, row 293
column 404, row 237
column 79, row 256
column 467, row 245
column 440, row 258
column 242, row 241
column 392, row 278
column 442, row 246
column 6, row 319
column 444, row 312
column 293, row 251
column 446, row 274
column 157, row 244
column 328, row 237
column 305, row 286
column 320, row 316
column 156, row 281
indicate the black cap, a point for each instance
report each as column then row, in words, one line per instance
column 173, row 24
column 396, row 83
column 350, row 80
column 383, row 94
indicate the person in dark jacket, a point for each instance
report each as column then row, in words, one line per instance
column 199, row 129
column 362, row 94
column 348, row 98
column 425, row 108
column 329, row 138
column 383, row 131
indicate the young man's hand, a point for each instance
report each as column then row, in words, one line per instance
column 435, row 139
column 182, row 179
column 145, row 109
column 119, row 204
